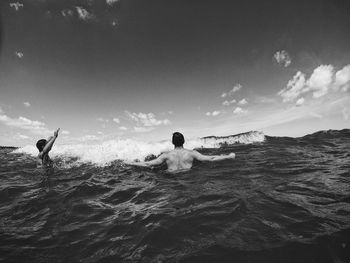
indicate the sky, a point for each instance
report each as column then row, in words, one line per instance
column 109, row 69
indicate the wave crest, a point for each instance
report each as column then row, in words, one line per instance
column 128, row 149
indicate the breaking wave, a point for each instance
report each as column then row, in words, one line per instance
column 106, row 152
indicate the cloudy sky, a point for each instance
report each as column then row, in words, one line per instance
column 138, row 69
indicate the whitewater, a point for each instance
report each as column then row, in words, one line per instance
column 127, row 149
column 281, row 200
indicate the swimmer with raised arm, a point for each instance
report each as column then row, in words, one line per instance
column 180, row 158
column 44, row 147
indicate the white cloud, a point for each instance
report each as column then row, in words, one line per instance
column 214, row 113
column 115, row 23
column 239, row 110
column 294, row 88
column 26, row 103
column 300, row 102
column 282, row 57
column 35, row 127
column 16, row 5
column 102, row 119
column 99, row 133
column 67, row 12
column 235, row 88
column 342, row 79
column 146, row 119
column 83, row 14
column 19, row 54
column 65, row 132
column 116, row 120
column 123, row 128
column 243, row 102
column 320, row 80
column 143, row 129
column 228, row 103
column 112, row 2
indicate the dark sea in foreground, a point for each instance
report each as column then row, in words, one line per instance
column 282, row 200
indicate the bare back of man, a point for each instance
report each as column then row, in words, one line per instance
column 181, row 159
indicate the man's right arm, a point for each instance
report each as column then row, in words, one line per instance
column 157, row 161
column 50, row 142
column 212, row 158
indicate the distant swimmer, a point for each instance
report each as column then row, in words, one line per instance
column 180, row 158
column 44, row 147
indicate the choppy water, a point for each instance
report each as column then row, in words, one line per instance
column 282, row 200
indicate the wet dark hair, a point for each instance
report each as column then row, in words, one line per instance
column 178, row 139
column 41, row 144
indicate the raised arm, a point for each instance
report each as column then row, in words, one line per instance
column 154, row 162
column 50, row 142
column 211, row 158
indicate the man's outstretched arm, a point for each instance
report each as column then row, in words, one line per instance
column 211, row 158
column 154, row 162
column 50, row 142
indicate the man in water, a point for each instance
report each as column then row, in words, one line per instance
column 44, row 147
column 180, row 158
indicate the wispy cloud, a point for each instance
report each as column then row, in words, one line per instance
column 214, row 113
column 322, row 81
column 84, row 14
column 243, row 102
column 282, row 57
column 300, row 102
column 123, row 128
column 235, row 88
column 116, row 120
column 295, row 87
column 112, row 2
column 67, row 12
column 19, row 54
column 26, row 103
column 239, row 110
column 102, row 119
column 36, row 127
column 146, row 119
column 16, row 5
column 228, row 103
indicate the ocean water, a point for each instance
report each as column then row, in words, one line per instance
column 282, row 200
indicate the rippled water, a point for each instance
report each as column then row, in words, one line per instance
column 283, row 200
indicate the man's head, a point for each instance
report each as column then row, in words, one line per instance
column 41, row 144
column 178, row 139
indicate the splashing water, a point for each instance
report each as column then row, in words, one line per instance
column 109, row 151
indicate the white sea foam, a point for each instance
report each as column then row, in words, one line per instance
column 106, row 152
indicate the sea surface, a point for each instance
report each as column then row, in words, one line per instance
column 281, row 200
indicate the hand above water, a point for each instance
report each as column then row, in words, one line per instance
column 56, row 132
